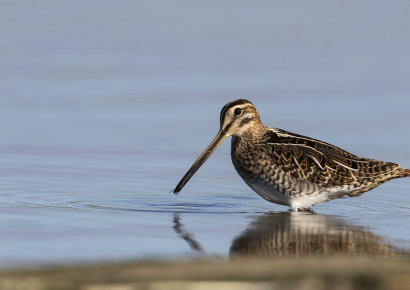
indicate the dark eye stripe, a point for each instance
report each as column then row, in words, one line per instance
column 230, row 105
column 245, row 121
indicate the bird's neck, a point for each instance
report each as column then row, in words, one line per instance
column 254, row 135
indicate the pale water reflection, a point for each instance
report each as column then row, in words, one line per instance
column 307, row 234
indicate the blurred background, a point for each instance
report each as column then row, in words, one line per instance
column 104, row 105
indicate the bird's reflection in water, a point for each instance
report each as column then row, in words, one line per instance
column 290, row 234
column 307, row 234
column 179, row 228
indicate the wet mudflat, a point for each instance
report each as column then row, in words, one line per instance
column 312, row 273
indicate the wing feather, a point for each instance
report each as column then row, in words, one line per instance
column 319, row 162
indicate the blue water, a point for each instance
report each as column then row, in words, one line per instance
column 104, row 105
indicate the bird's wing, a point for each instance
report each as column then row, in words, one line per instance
column 319, row 162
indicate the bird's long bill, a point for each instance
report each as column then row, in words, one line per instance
column 220, row 137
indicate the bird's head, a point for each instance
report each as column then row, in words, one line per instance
column 237, row 118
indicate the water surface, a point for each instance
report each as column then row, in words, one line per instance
column 104, row 105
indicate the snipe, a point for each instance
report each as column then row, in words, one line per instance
column 290, row 169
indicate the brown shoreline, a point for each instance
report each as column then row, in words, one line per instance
column 241, row 273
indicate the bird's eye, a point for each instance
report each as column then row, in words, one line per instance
column 237, row 111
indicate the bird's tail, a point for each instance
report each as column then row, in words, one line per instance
column 406, row 172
